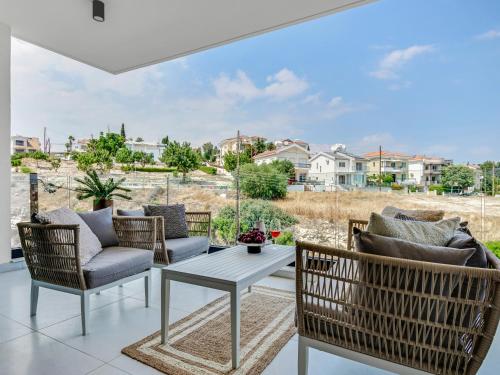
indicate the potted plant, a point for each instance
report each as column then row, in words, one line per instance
column 253, row 240
column 102, row 192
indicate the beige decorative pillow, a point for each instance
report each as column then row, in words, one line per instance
column 90, row 245
column 421, row 215
column 436, row 233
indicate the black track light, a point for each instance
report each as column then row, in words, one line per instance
column 98, row 10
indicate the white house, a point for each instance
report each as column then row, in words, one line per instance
column 148, row 147
column 425, row 170
column 338, row 168
column 295, row 153
column 231, row 145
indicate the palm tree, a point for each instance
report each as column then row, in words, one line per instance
column 103, row 192
column 69, row 144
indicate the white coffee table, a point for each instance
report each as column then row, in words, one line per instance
column 231, row 270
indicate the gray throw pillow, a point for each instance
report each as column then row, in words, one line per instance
column 437, row 234
column 421, row 215
column 134, row 213
column 404, row 217
column 462, row 240
column 101, row 223
column 174, row 219
column 397, row 248
column 89, row 243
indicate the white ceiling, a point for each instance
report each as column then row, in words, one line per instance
column 144, row 32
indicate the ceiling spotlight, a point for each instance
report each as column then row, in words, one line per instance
column 98, row 10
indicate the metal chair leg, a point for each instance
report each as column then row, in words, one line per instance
column 34, row 298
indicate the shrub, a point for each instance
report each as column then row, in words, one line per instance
column 16, row 162
column 395, row 186
column 263, row 182
column 250, row 211
column 437, row 188
column 285, row 238
column 208, row 170
column 130, row 168
column 494, row 246
column 25, row 169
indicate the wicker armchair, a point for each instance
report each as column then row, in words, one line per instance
column 199, row 224
column 52, row 255
column 400, row 315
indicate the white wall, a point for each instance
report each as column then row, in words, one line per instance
column 416, row 172
column 4, row 144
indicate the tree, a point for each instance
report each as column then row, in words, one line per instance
column 263, row 182
column 487, row 169
column 270, row 146
column 457, row 176
column 69, row 144
column 208, row 152
column 55, row 163
column 139, row 139
column 165, row 140
column 143, row 158
column 181, row 156
column 231, row 158
column 259, row 146
column 285, row 167
column 124, row 156
column 122, row 132
column 110, row 142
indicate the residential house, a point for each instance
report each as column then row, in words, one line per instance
column 231, row 145
column 20, row 144
column 478, row 176
column 148, row 147
column 338, row 168
column 426, row 170
column 394, row 164
column 288, row 142
column 295, row 153
column 81, row 145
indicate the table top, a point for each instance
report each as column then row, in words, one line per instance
column 234, row 266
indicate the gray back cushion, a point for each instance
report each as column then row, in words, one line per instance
column 421, row 215
column 462, row 240
column 437, row 234
column 120, row 212
column 174, row 219
column 89, row 244
column 101, row 223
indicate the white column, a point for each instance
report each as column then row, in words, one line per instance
column 5, row 253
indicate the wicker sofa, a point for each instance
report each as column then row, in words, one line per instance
column 400, row 315
column 170, row 250
column 52, row 254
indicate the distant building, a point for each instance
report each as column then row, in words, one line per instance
column 148, row 147
column 478, row 176
column 426, row 170
column 394, row 164
column 81, row 145
column 338, row 168
column 295, row 153
column 20, row 144
column 288, row 142
column 231, row 145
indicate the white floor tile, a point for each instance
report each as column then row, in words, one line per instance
column 108, row 370
column 133, row 367
column 10, row 329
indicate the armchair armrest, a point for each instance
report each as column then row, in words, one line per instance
column 199, row 223
column 139, row 232
column 52, row 253
column 354, row 223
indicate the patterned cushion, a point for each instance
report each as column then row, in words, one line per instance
column 437, row 234
column 404, row 217
column 90, row 245
column 422, row 215
column 174, row 219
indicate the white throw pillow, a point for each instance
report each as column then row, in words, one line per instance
column 90, row 245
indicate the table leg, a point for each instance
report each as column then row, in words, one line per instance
column 165, row 308
column 235, row 328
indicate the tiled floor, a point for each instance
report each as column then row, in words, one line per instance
column 51, row 343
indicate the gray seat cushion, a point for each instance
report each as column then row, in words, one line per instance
column 182, row 248
column 115, row 263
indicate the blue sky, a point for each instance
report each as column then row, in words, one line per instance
column 414, row 76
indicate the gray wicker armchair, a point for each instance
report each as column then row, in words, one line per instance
column 52, row 255
column 400, row 315
column 199, row 227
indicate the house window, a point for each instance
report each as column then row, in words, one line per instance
column 341, row 164
column 19, row 142
column 393, row 165
column 320, row 169
column 328, row 162
column 373, row 163
column 342, row 180
column 359, row 167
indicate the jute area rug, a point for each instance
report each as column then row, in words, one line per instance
column 201, row 342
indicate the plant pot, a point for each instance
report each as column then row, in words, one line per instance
column 100, row 204
column 254, row 248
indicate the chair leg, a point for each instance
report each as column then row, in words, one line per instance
column 303, row 357
column 147, row 288
column 84, row 304
column 34, row 298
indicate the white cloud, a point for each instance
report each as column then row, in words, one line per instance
column 489, row 35
column 282, row 85
column 395, row 60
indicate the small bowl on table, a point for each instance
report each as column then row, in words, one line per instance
column 254, row 240
column 254, row 248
